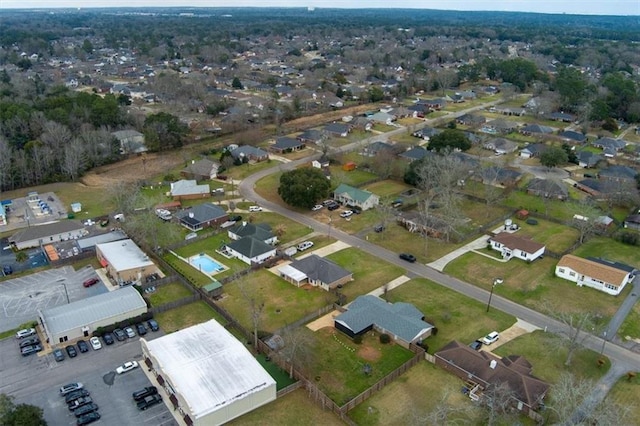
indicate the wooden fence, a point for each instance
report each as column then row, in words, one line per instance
column 307, row 318
column 174, row 304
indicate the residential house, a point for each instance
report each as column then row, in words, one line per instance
column 131, row 141
column 337, row 129
column 286, row 144
column 3, row 215
column 415, row 153
column 250, row 250
column 562, row 116
column 188, row 190
column 609, row 277
column 260, row 231
column 415, row 222
column 632, row 221
column 433, row 104
column 510, row 111
column 573, row 137
column 533, row 150
column 361, row 123
column 594, row 187
column 495, row 175
column 403, row 322
column 39, row 235
column 426, row 133
column 249, row 153
column 501, row 146
column 499, row 126
column 536, row 129
column 482, row 371
column 588, row 159
column 548, row 188
column 510, row 245
column 312, row 136
column 383, row 117
column 609, row 146
column 350, row 196
column 316, row 271
column 471, row 120
column 376, row 148
column 321, row 163
column 203, row 169
column 202, row 216
column 419, row 110
column 401, row 112
column 620, row 174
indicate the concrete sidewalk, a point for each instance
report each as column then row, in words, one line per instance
column 476, row 244
column 378, row 292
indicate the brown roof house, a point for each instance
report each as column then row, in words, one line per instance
column 483, row 370
column 603, row 275
column 510, row 245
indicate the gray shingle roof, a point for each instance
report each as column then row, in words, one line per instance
column 42, row 231
column 401, row 319
column 250, row 247
column 201, row 213
column 261, row 231
column 317, row 268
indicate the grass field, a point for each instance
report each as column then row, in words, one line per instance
column 627, row 393
column 186, row 316
column 387, row 188
column 610, row 249
column 338, row 366
column 631, row 325
column 295, row 408
column 533, row 285
column 281, row 377
column 556, row 237
column 456, row 316
column 168, row 293
column 190, row 273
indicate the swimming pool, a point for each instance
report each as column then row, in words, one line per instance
column 205, row 263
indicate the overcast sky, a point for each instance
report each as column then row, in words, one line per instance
column 590, row 7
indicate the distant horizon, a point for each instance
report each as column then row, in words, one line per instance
column 609, row 8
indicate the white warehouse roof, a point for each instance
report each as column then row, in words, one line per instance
column 209, row 367
column 75, row 315
column 124, row 255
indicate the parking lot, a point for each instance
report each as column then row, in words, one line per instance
column 20, row 298
column 36, row 380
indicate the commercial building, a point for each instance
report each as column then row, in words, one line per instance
column 210, row 376
column 124, row 261
column 38, row 235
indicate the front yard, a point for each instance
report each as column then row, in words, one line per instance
column 627, row 394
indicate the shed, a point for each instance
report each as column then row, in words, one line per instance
column 214, row 288
column 522, row 214
column 349, row 166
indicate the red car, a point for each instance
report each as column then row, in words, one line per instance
column 90, row 282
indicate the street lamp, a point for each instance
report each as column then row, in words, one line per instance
column 604, row 341
column 495, row 283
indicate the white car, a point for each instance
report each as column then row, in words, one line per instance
column 255, row 208
column 95, row 343
column 27, row 332
column 127, row 366
column 305, row 245
column 316, row 207
column 490, row 338
column 346, row 213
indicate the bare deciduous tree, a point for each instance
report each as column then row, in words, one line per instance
column 256, row 306
column 497, row 402
column 584, row 215
column 445, row 413
column 298, row 348
column 577, row 326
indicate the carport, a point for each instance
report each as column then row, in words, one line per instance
column 292, row 275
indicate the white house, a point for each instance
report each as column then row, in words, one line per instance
column 350, row 196
column 251, row 250
column 510, row 245
column 606, row 276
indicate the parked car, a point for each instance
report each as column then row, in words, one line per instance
column 88, row 418
column 255, row 208
column 316, row 207
column 379, row 228
column 71, row 351
column 130, row 333
column 304, row 245
column 120, row 335
column 346, row 213
column 29, row 350
column 86, row 409
column 126, row 367
column 58, row 355
column 490, row 338
column 26, row 332
column 95, row 343
column 141, row 329
column 77, row 403
column 90, row 282
column 76, row 394
column 7, row 270
column 29, row 341
column 68, row 388
column 236, row 218
column 82, row 346
column 108, row 338
column 476, row 345
column 153, row 325
column 149, row 401
column 333, row 206
column 408, row 257
column 145, row 392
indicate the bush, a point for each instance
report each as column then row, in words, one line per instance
column 385, row 338
column 434, row 331
column 357, row 340
column 630, row 238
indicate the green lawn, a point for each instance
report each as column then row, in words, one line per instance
column 631, row 325
column 456, row 316
column 247, row 169
column 168, row 293
column 387, row 188
column 627, row 393
column 554, row 208
column 355, row 177
column 611, row 250
column 281, row 377
column 189, row 272
column 186, row 316
column 555, row 236
column 547, row 354
column 338, row 366
column 533, row 285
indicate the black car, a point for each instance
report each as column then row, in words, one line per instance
column 28, row 350
column 333, row 206
column 58, row 355
column 30, row 341
column 119, row 334
column 379, row 228
column 83, row 346
column 476, row 345
column 145, row 392
column 153, row 325
column 88, row 418
column 408, row 257
column 86, row 409
column 7, row 269
column 71, row 351
column 149, row 401
column 77, row 394
column 77, row 403
column 141, row 329
column 108, row 338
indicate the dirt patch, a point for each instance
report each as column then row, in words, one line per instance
column 324, row 321
column 132, row 169
column 369, row 353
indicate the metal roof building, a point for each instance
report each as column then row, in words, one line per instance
column 79, row 319
column 210, row 376
column 125, row 261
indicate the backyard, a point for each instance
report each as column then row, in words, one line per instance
column 168, row 293
column 186, row 316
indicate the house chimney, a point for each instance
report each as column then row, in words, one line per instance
column 191, row 215
column 244, row 223
column 493, row 364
